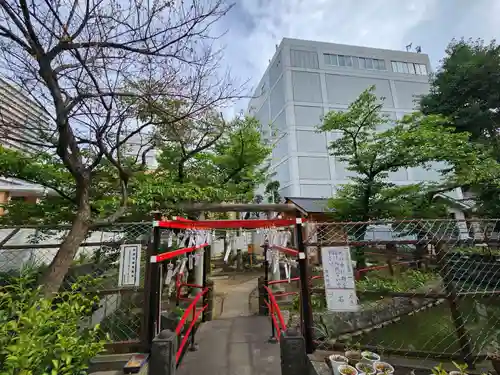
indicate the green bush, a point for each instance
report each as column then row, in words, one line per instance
column 45, row 336
column 406, row 282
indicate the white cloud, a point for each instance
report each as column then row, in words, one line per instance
column 256, row 26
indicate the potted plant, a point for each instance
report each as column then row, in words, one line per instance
column 383, row 367
column 460, row 369
column 353, row 353
column 365, row 368
column 336, row 360
column 494, row 356
column 347, row 370
column 439, row 370
column 369, row 357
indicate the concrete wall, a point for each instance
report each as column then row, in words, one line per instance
column 301, row 85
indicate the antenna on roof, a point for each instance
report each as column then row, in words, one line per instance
column 418, row 49
column 408, row 47
column 276, row 47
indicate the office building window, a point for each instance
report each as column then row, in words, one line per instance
column 354, row 62
column 409, row 68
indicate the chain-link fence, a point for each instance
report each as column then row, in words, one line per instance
column 120, row 312
column 425, row 287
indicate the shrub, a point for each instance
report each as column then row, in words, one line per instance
column 40, row 336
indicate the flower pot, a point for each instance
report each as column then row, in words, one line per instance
column 369, row 357
column 336, row 360
column 383, row 367
column 365, row 368
column 354, row 356
column 456, row 373
column 347, row 370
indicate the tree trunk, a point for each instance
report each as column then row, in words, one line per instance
column 53, row 278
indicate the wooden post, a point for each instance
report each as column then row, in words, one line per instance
column 391, row 251
column 152, row 284
column 208, row 299
column 463, row 336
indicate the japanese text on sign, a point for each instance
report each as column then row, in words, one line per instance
column 130, row 265
column 339, row 279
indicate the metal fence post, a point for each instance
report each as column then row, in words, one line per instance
column 463, row 336
column 305, row 295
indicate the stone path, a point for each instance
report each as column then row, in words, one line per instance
column 236, row 302
column 235, row 344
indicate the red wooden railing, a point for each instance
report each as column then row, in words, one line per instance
column 358, row 274
column 179, row 285
column 195, row 313
column 361, row 271
column 275, row 313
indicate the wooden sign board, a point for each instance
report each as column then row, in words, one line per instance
column 338, row 275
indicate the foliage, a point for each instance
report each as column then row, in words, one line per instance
column 317, row 302
column 59, row 204
column 466, row 91
column 439, row 370
column 80, row 84
column 272, row 192
column 40, row 337
column 372, row 153
column 409, row 280
column 230, row 169
column 476, row 250
column 466, row 88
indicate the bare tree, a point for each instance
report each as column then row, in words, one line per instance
column 88, row 63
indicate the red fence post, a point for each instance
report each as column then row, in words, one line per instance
column 272, row 339
column 193, row 347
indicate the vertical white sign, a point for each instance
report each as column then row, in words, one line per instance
column 130, row 265
column 339, row 280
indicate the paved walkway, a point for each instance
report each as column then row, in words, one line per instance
column 235, row 344
column 236, row 302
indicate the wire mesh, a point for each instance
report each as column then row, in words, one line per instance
column 424, row 286
column 120, row 310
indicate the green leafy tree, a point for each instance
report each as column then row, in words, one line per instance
column 39, row 337
column 229, row 168
column 415, row 141
column 466, row 90
column 79, row 70
column 272, row 192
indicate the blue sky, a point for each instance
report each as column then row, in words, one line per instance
column 254, row 27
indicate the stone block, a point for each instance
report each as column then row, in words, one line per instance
column 294, row 359
column 162, row 358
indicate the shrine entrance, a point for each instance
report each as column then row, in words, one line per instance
column 181, row 246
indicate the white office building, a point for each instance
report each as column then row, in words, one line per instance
column 305, row 80
column 20, row 119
